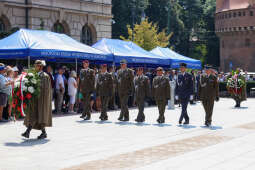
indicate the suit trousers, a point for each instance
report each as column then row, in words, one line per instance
column 184, row 114
column 104, row 105
column 161, row 107
column 208, row 107
column 86, row 104
column 124, row 107
column 140, row 104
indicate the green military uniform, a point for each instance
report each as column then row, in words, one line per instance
column 161, row 93
column 112, row 98
column 125, row 79
column 104, row 89
column 87, row 87
column 142, row 90
column 208, row 93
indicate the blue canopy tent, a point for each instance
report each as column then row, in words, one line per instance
column 176, row 58
column 50, row 46
column 135, row 55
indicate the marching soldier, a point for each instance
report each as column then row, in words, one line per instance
column 161, row 93
column 208, row 92
column 87, row 87
column 142, row 90
column 39, row 112
column 125, row 77
column 184, row 91
column 112, row 99
column 104, row 89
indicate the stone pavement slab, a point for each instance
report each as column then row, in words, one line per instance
column 76, row 144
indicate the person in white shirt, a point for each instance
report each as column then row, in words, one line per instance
column 60, row 90
column 72, row 90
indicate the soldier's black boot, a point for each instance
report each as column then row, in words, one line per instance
column 88, row 116
column 83, row 116
column 121, row 117
column 43, row 135
column 27, row 132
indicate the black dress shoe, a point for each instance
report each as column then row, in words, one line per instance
column 126, row 120
column 82, row 116
column 180, row 122
column 42, row 136
column 25, row 134
column 87, row 118
column 186, row 123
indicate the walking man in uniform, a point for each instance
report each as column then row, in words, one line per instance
column 87, row 87
column 39, row 112
column 208, row 92
column 104, row 89
column 125, row 77
column 184, row 91
column 161, row 93
column 142, row 91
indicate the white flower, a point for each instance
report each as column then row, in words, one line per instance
column 17, row 85
column 24, row 88
column 33, row 81
column 30, row 74
column 31, row 89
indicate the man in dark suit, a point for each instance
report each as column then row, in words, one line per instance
column 184, row 91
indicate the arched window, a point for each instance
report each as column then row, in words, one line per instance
column 2, row 26
column 58, row 28
column 86, row 35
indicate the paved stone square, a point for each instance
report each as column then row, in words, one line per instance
column 74, row 144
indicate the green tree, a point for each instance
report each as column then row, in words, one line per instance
column 147, row 36
column 167, row 13
column 122, row 15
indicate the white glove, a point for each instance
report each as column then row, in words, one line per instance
column 191, row 97
column 176, row 97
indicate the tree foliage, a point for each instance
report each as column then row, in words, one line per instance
column 147, row 36
column 190, row 21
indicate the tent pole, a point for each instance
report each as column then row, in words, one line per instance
column 76, row 65
column 28, row 62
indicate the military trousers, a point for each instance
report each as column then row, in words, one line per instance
column 140, row 104
column 161, row 108
column 184, row 113
column 124, row 113
column 208, row 107
column 86, row 105
column 112, row 101
column 104, row 106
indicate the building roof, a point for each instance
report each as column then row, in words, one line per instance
column 226, row 5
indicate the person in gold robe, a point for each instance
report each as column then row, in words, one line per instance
column 39, row 112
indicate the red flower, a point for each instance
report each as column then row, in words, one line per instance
column 28, row 96
column 19, row 109
column 13, row 105
column 24, row 105
column 21, row 97
column 18, row 93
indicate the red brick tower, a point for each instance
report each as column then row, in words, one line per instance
column 235, row 26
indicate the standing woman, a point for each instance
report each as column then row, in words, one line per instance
column 72, row 90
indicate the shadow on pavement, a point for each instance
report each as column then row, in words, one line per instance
column 240, row 108
column 212, row 127
column 84, row 121
column 161, row 125
column 187, row 126
column 27, row 143
column 102, row 122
